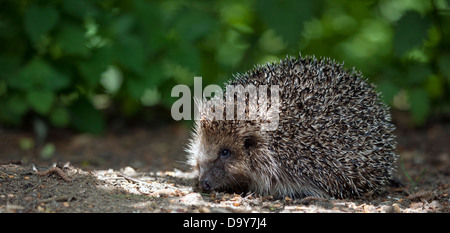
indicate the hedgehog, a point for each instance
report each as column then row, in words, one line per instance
column 333, row 138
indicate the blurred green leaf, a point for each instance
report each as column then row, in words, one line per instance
column 80, row 8
column 13, row 108
column 186, row 55
column 72, row 40
column 278, row 14
column 232, row 50
column 122, row 25
column 60, row 117
column 153, row 77
column 444, row 65
column 135, row 87
column 192, row 25
column 8, row 65
column 434, row 86
column 38, row 74
column 95, row 65
column 418, row 74
column 47, row 151
column 26, row 143
column 419, row 104
column 388, row 91
column 86, row 118
column 238, row 14
column 130, row 52
column 151, row 16
column 111, row 79
column 271, row 43
column 39, row 20
column 410, row 31
column 150, row 97
column 40, row 101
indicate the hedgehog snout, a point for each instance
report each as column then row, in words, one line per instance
column 205, row 181
column 205, row 185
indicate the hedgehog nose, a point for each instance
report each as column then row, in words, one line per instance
column 205, row 185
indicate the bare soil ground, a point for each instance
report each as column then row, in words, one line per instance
column 143, row 170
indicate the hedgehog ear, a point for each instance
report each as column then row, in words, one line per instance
column 252, row 137
column 250, row 142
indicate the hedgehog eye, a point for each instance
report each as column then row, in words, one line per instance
column 225, row 153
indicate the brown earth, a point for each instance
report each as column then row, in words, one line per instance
column 142, row 169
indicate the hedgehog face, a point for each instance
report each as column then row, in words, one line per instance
column 222, row 153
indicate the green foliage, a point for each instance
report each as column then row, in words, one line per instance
column 39, row 20
column 86, row 118
column 73, row 61
column 410, row 32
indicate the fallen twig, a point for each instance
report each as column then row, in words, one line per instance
column 132, row 179
column 310, row 200
column 14, row 162
column 57, row 199
column 56, row 170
